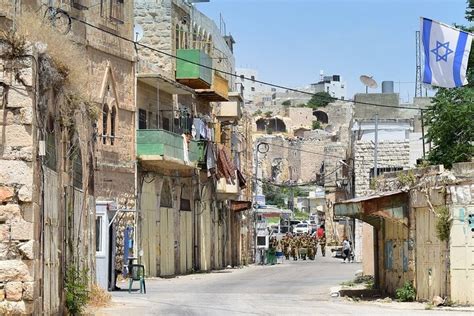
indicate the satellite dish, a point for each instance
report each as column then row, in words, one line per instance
column 368, row 82
column 137, row 32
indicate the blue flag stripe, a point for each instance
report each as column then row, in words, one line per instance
column 426, row 45
column 458, row 57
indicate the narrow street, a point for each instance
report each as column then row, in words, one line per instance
column 292, row 288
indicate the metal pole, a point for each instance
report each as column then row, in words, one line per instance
column 423, row 133
column 376, row 143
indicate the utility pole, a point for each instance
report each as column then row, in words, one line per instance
column 376, row 144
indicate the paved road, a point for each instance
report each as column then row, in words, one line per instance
column 292, row 288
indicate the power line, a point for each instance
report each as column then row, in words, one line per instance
column 305, row 151
column 237, row 76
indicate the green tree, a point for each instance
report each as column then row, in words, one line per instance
column 449, row 117
column 257, row 113
column 268, row 114
column 319, row 99
column 286, row 103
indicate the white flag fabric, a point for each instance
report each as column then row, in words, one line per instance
column 446, row 53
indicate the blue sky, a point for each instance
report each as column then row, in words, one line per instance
column 290, row 41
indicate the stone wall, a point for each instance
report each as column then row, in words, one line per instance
column 19, row 210
column 391, row 154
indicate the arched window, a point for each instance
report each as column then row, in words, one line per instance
column 113, row 116
column 204, row 41
column 105, row 116
column 278, row 125
column 261, row 124
column 194, row 37
column 177, row 37
column 209, row 45
column 321, row 116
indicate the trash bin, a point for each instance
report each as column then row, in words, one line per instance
column 271, row 256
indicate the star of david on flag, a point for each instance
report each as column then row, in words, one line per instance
column 446, row 53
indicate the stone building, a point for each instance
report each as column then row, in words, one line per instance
column 311, row 156
column 399, row 147
column 76, row 147
column 423, row 230
column 186, row 113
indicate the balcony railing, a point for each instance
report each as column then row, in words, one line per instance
column 157, row 148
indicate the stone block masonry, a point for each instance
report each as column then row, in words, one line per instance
column 18, row 244
column 391, row 155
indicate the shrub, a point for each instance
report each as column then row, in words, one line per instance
column 406, row 293
column 316, row 125
column 77, row 294
column 443, row 223
column 286, row 103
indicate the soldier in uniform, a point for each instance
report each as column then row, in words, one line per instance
column 294, row 247
column 286, row 246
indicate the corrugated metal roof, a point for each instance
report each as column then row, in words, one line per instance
column 370, row 197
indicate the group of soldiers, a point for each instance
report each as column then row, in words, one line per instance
column 300, row 246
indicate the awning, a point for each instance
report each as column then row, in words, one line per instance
column 270, row 211
column 391, row 205
column 164, row 84
column 239, row 206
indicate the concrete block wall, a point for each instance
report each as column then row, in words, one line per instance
column 19, row 211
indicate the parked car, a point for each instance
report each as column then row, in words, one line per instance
column 293, row 224
column 301, row 228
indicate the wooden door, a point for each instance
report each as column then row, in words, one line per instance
column 431, row 276
column 50, row 259
column 167, row 242
column 150, row 232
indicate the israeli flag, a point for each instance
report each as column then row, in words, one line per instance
column 446, row 51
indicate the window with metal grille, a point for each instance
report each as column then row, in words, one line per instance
column 113, row 116
column 105, row 116
column 383, row 170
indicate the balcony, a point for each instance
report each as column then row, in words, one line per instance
column 227, row 191
column 228, row 111
column 193, row 75
column 160, row 149
column 219, row 91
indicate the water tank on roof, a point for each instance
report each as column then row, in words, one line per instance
column 387, row 86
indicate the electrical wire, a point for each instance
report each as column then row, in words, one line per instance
column 305, row 151
column 239, row 76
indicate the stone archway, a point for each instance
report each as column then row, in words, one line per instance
column 321, row 116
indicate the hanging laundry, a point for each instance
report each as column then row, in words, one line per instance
column 225, row 167
column 211, row 160
column 185, row 148
column 242, row 181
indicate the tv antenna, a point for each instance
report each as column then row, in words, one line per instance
column 368, row 83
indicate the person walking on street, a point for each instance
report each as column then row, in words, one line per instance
column 321, row 233
column 346, row 250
